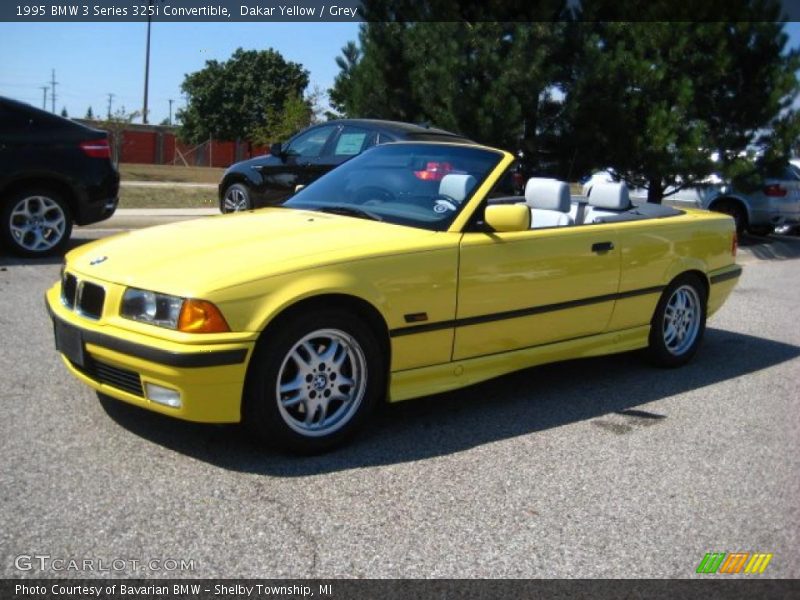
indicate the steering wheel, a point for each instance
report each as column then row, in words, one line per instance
column 372, row 195
column 442, row 203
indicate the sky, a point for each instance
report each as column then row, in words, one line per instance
column 92, row 60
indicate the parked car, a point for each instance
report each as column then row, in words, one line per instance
column 775, row 206
column 53, row 173
column 381, row 282
column 271, row 179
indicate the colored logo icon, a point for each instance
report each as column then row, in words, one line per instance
column 734, row 562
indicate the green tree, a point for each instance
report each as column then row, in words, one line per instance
column 232, row 99
column 64, row 112
column 295, row 114
column 89, row 114
column 341, row 92
column 656, row 100
column 487, row 80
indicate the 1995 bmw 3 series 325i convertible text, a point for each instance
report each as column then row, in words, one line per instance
column 402, row 273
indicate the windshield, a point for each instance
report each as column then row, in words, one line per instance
column 422, row 185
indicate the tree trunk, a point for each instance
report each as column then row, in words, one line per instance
column 655, row 193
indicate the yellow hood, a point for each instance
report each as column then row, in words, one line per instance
column 191, row 258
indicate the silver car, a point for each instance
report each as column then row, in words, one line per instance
column 775, row 205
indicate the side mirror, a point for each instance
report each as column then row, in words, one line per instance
column 276, row 149
column 508, row 217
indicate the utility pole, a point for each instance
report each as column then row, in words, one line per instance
column 44, row 98
column 53, row 83
column 147, row 66
column 170, row 111
column 110, row 99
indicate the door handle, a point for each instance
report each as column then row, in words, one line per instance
column 599, row 247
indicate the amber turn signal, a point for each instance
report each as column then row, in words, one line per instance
column 199, row 316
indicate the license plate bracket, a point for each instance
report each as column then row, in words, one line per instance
column 69, row 342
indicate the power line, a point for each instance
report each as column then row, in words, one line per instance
column 110, row 100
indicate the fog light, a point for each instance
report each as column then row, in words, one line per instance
column 163, row 395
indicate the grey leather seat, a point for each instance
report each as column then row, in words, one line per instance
column 607, row 200
column 549, row 202
column 456, row 186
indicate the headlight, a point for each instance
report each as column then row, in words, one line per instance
column 183, row 314
column 151, row 307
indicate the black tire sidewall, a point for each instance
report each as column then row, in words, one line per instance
column 260, row 409
column 7, row 239
column 657, row 349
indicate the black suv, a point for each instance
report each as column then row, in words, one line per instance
column 53, row 173
column 309, row 154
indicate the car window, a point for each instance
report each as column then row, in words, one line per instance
column 791, row 173
column 352, row 141
column 311, row 143
column 421, row 185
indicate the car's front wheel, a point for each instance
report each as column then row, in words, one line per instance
column 35, row 222
column 679, row 322
column 313, row 380
column 236, row 199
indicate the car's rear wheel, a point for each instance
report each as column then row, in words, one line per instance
column 35, row 222
column 733, row 209
column 313, row 380
column 236, row 198
column 679, row 322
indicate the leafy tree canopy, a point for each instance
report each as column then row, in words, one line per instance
column 658, row 101
column 488, row 81
column 232, row 99
column 654, row 100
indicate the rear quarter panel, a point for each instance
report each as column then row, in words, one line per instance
column 656, row 251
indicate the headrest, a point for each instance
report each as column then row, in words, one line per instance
column 547, row 194
column 456, row 186
column 613, row 196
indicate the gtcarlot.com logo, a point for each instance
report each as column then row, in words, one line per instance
column 45, row 562
column 751, row 563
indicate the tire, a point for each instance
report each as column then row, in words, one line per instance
column 35, row 222
column 313, row 381
column 236, row 199
column 679, row 322
column 733, row 209
column 763, row 230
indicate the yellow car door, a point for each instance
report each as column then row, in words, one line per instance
column 528, row 288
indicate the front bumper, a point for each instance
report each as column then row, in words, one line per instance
column 121, row 363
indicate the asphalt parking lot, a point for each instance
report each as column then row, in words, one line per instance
column 594, row 468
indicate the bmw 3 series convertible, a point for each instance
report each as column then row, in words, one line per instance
column 404, row 272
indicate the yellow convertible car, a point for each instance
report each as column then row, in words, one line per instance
column 402, row 273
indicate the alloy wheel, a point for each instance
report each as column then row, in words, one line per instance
column 37, row 223
column 682, row 316
column 321, row 382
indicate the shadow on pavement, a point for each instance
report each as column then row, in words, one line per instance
column 773, row 247
column 519, row 404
